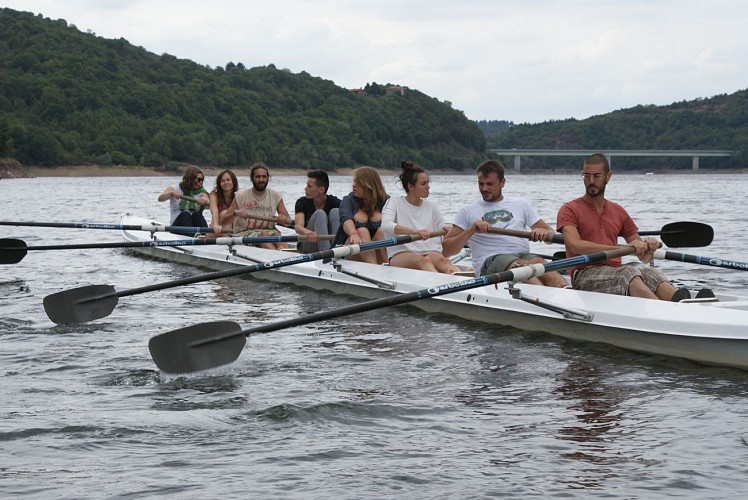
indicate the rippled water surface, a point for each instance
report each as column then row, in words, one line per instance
column 389, row 404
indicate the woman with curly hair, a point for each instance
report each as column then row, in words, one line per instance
column 185, row 212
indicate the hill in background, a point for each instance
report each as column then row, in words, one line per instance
column 720, row 122
column 68, row 97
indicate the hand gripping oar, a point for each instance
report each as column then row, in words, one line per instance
column 696, row 259
column 193, row 200
column 290, row 224
column 208, row 345
column 555, row 238
column 152, row 227
column 91, row 302
column 13, row 250
column 675, row 234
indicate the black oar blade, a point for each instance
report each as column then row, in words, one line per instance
column 79, row 305
column 687, row 234
column 197, row 347
column 12, row 250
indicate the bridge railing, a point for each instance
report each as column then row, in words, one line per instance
column 695, row 154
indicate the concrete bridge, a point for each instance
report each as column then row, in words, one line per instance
column 695, row 154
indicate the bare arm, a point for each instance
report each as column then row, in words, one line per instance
column 283, row 216
column 576, row 245
column 214, row 208
column 456, row 239
column 300, row 222
column 167, row 194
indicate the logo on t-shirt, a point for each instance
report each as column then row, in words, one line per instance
column 498, row 216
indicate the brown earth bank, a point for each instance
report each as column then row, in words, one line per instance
column 13, row 169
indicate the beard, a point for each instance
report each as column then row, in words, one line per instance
column 491, row 196
column 259, row 186
column 594, row 191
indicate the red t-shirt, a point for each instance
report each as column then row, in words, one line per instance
column 602, row 228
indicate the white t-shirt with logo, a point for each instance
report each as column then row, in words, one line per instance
column 509, row 213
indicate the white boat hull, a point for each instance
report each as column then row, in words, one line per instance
column 714, row 333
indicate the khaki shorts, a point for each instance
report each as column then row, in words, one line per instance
column 497, row 263
column 615, row 280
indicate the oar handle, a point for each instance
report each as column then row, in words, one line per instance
column 193, row 200
column 264, row 218
column 555, row 238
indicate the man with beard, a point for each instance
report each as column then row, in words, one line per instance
column 261, row 202
column 493, row 253
column 593, row 224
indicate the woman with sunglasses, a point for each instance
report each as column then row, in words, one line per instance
column 187, row 199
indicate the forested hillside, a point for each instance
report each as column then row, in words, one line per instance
column 720, row 122
column 68, row 97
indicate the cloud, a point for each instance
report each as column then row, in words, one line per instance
column 524, row 61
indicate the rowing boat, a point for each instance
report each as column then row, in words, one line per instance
column 711, row 331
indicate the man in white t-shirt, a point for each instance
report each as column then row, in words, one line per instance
column 493, row 253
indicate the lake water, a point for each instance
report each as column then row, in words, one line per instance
column 395, row 403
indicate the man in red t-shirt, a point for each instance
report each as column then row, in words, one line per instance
column 593, row 224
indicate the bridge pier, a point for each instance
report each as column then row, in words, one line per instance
column 517, row 159
column 695, row 163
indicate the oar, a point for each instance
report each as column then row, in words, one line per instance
column 675, row 234
column 191, row 199
column 555, row 238
column 91, row 302
column 686, row 230
column 13, row 250
column 208, row 345
column 696, row 259
column 152, row 227
column 268, row 219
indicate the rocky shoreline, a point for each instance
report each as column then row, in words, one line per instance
column 12, row 169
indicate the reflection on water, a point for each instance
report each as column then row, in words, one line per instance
column 596, row 406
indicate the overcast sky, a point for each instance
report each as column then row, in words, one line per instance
column 517, row 60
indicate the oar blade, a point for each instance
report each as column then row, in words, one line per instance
column 12, row 250
column 687, row 234
column 79, row 305
column 197, row 347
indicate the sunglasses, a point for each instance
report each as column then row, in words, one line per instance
column 200, row 179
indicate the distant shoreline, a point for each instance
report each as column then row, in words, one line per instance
column 122, row 171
